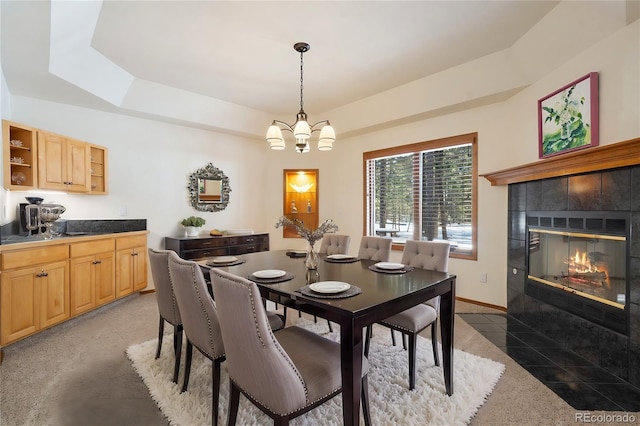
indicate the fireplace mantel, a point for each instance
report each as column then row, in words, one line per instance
column 605, row 157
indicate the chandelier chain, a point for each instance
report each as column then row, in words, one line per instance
column 301, row 81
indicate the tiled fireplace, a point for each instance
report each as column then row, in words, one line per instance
column 574, row 264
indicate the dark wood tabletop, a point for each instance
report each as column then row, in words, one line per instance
column 383, row 295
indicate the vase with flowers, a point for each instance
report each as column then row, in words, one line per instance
column 312, row 236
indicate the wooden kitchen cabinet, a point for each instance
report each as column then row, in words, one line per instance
column 92, row 281
column 131, row 264
column 19, row 153
column 36, row 296
column 52, row 281
column 63, row 163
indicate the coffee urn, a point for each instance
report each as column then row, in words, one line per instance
column 32, row 218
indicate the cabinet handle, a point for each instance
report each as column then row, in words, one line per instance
column 42, row 274
column 97, row 262
column 134, row 254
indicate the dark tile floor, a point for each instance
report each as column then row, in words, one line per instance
column 581, row 384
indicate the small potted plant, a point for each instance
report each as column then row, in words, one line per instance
column 192, row 225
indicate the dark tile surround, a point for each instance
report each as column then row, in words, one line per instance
column 612, row 352
column 579, row 382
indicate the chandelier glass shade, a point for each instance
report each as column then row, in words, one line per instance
column 301, row 130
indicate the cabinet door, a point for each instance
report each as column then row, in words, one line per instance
column 139, row 268
column 33, row 298
column 63, row 164
column 104, row 273
column 77, row 166
column 20, row 305
column 124, row 272
column 82, row 284
column 54, row 293
column 51, row 159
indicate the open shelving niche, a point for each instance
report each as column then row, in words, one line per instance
column 19, row 175
column 301, row 190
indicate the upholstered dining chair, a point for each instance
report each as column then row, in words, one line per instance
column 167, row 305
column 285, row 373
column 433, row 255
column 375, row 248
column 200, row 322
column 334, row 244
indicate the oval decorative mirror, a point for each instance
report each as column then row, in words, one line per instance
column 209, row 189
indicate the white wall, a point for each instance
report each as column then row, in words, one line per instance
column 149, row 166
column 4, row 112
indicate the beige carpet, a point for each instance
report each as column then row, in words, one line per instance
column 78, row 374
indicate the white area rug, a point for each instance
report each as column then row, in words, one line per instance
column 391, row 401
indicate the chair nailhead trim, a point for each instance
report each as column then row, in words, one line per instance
column 247, row 285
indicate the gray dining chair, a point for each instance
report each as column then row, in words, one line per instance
column 334, row 244
column 284, row 373
column 167, row 305
column 375, row 248
column 200, row 322
column 432, row 255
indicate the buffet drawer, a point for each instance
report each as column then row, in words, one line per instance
column 34, row 256
column 204, row 243
column 199, row 254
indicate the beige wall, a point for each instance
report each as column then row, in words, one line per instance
column 507, row 136
column 150, row 161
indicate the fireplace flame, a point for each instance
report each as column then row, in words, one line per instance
column 582, row 264
column 583, row 270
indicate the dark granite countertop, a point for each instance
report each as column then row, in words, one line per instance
column 65, row 229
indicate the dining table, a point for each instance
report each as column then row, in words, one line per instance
column 373, row 294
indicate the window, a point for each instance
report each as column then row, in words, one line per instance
column 424, row 191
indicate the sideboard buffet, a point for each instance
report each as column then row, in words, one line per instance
column 200, row 247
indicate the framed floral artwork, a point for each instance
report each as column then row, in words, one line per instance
column 568, row 117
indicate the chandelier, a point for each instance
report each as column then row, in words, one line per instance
column 301, row 130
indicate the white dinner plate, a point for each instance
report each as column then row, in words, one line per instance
column 339, row 256
column 329, row 286
column 224, row 259
column 389, row 265
column 269, row 273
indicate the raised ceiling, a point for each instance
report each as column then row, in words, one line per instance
column 184, row 61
